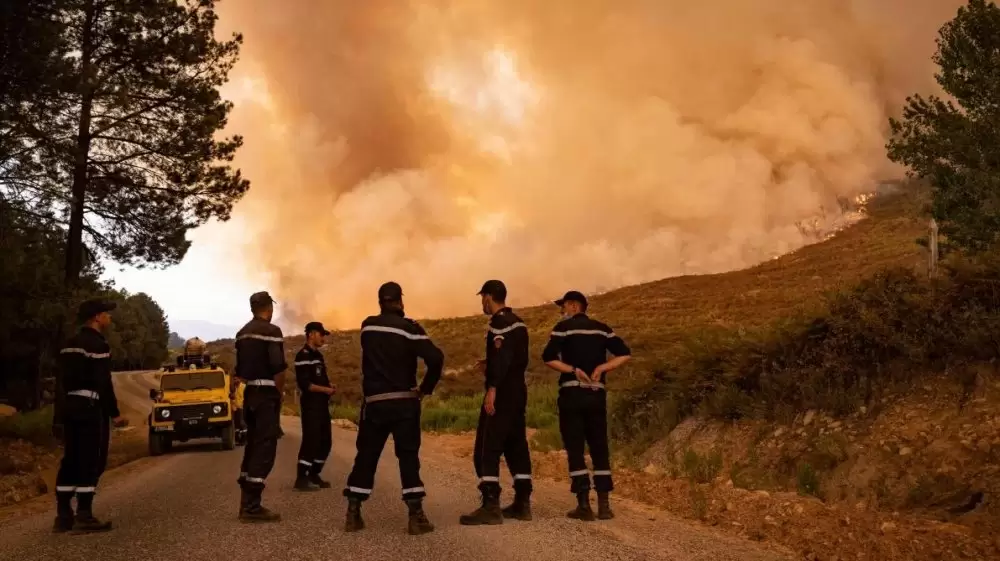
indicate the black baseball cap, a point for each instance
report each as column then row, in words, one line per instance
column 494, row 288
column 91, row 308
column 390, row 292
column 316, row 326
column 572, row 296
column 261, row 300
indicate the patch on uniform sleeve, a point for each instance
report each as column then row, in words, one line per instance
column 498, row 341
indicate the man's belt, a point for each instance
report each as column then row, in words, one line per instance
column 260, row 383
column 579, row 384
column 89, row 394
column 391, row 395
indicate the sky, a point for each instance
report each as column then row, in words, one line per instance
column 210, row 284
column 556, row 145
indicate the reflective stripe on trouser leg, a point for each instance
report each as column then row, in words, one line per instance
column 491, row 435
column 80, row 467
column 262, row 405
column 518, row 455
column 596, row 423
column 325, row 443
column 572, row 429
column 311, row 414
column 370, row 442
column 406, row 440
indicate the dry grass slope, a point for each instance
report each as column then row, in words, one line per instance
column 655, row 318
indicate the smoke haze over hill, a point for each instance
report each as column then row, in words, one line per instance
column 555, row 145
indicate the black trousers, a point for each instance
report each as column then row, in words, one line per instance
column 401, row 419
column 261, row 413
column 583, row 419
column 317, row 435
column 86, row 433
column 503, row 434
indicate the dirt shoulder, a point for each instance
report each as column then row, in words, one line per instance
column 28, row 469
column 835, row 528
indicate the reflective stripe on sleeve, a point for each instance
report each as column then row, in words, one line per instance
column 507, row 329
column 260, row 338
column 394, row 331
column 608, row 334
column 77, row 350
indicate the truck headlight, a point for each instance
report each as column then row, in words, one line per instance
column 217, row 409
column 165, row 413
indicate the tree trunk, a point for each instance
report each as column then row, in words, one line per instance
column 74, row 243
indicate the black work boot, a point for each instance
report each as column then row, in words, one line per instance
column 418, row 523
column 85, row 523
column 252, row 511
column 302, row 481
column 487, row 513
column 63, row 524
column 520, row 509
column 354, row 521
column 604, row 506
column 64, row 513
column 582, row 510
column 318, row 481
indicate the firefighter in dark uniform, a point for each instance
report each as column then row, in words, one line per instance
column 390, row 346
column 314, row 410
column 501, row 429
column 578, row 348
column 260, row 364
column 85, row 401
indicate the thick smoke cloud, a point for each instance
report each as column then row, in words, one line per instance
column 562, row 144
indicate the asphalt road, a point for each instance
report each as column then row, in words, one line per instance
column 183, row 506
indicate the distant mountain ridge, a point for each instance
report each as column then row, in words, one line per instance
column 204, row 330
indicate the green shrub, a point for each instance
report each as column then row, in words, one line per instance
column 702, row 469
column 887, row 330
column 33, row 426
column 808, row 480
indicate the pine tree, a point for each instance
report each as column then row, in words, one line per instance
column 955, row 143
column 134, row 137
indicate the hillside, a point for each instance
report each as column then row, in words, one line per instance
column 655, row 317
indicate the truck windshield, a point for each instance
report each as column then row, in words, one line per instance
column 192, row 381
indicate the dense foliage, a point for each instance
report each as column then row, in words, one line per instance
column 110, row 116
column 955, row 143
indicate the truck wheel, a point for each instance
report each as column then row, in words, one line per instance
column 157, row 444
column 229, row 437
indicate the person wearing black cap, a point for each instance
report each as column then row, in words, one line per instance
column 314, row 410
column 501, row 430
column 578, row 348
column 260, row 363
column 84, row 404
column 390, row 346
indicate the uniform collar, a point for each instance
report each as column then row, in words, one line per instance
column 581, row 315
column 88, row 329
column 393, row 312
column 501, row 311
